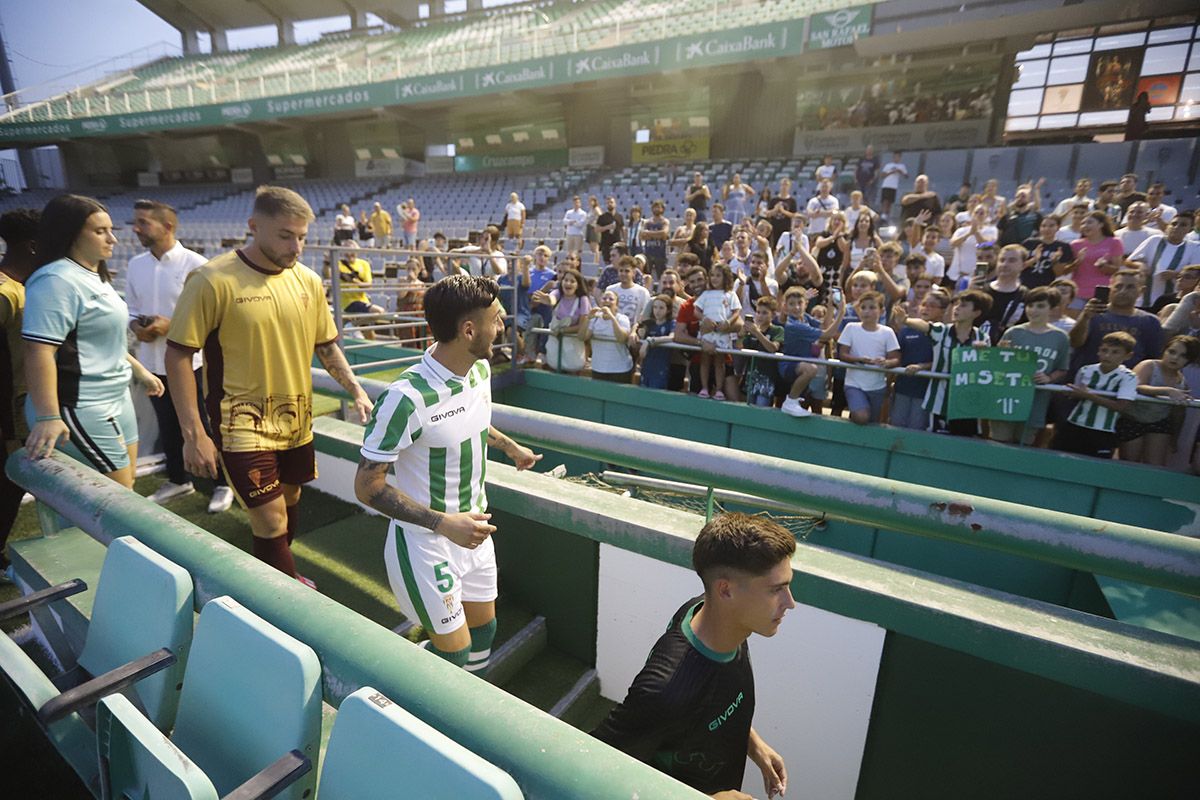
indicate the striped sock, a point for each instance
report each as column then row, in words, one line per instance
column 481, row 647
column 458, row 657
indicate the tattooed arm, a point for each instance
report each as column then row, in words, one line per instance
column 523, row 457
column 334, row 361
column 372, row 489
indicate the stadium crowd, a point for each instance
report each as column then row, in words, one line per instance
column 836, row 304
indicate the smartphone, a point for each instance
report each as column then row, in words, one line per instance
column 835, row 294
column 981, row 269
column 1101, row 294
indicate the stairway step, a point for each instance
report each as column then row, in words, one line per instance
column 516, row 653
column 589, row 682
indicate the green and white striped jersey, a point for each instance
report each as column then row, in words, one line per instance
column 1087, row 414
column 434, row 425
column 937, row 393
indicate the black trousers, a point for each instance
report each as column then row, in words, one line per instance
column 171, row 435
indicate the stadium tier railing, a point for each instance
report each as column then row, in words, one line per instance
column 441, row 46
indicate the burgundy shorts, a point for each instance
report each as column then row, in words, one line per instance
column 257, row 476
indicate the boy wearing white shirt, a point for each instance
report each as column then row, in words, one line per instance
column 867, row 342
column 892, row 172
column 575, row 221
column 152, row 286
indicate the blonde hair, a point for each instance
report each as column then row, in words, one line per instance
column 277, row 201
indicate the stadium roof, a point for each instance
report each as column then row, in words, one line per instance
column 201, row 15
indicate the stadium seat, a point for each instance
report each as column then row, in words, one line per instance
column 141, row 625
column 137, row 641
column 375, row 745
column 251, row 694
column 137, row 760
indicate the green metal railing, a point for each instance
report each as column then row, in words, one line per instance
column 548, row 758
column 1092, row 545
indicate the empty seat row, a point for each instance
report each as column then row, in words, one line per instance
column 155, row 709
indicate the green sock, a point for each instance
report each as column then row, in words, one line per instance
column 458, row 657
column 481, row 646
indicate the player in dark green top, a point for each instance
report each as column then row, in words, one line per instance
column 689, row 711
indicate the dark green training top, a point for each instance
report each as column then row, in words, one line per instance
column 688, row 711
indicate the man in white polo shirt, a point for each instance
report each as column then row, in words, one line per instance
column 151, row 290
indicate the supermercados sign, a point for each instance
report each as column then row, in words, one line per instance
column 748, row 43
column 839, row 28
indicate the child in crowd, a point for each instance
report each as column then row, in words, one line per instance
column 803, row 336
column 867, row 342
column 1090, row 429
column 916, row 355
column 1053, row 350
column 718, row 304
column 572, row 307
column 1067, row 291
column 658, row 329
column 1145, row 430
column 965, row 312
column 608, row 331
column 761, row 333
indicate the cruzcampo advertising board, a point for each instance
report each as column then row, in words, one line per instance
column 991, row 383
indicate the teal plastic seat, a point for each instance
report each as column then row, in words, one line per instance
column 250, row 694
column 376, row 746
column 139, row 633
column 143, row 602
column 137, row 760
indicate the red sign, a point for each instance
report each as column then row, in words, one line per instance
column 1163, row 89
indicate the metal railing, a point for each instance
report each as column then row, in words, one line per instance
column 834, row 363
column 398, row 62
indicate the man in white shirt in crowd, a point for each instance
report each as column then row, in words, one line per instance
column 575, row 223
column 1082, row 187
column 514, row 219
column 796, row 234
column 822, row 207
column 344, row 225
column 1158, row 213
column 892, row 173
column 1135, row 231
column 827, row 171
column 494, row 265
column 935, row 264
column 1161, row 257
column 152, row 288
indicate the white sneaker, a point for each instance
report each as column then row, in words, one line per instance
column 792, row 407
column 222, row 499
column 169, row 491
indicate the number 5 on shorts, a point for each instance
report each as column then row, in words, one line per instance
column 445, row 581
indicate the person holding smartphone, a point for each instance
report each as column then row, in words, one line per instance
column 966, row 241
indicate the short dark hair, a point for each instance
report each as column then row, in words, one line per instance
column 1191, row 346
column 752, row 545
column 1043, row 294
column 161, row 211
column 1106, row 185
column 980, row 301
column 19, row 226
column 452, row 299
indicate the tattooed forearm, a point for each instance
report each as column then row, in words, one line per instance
column 499, row 441
column 371, row 488
column 334, row 362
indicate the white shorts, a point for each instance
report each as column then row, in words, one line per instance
column 432, row 577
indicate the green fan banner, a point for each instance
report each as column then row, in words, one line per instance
column 991, row 383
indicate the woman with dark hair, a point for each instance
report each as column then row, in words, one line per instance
column 77, row 364
column 701, row 245
column 1098, row 254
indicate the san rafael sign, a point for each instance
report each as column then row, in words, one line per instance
column 839, row 28
column 991, row 383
